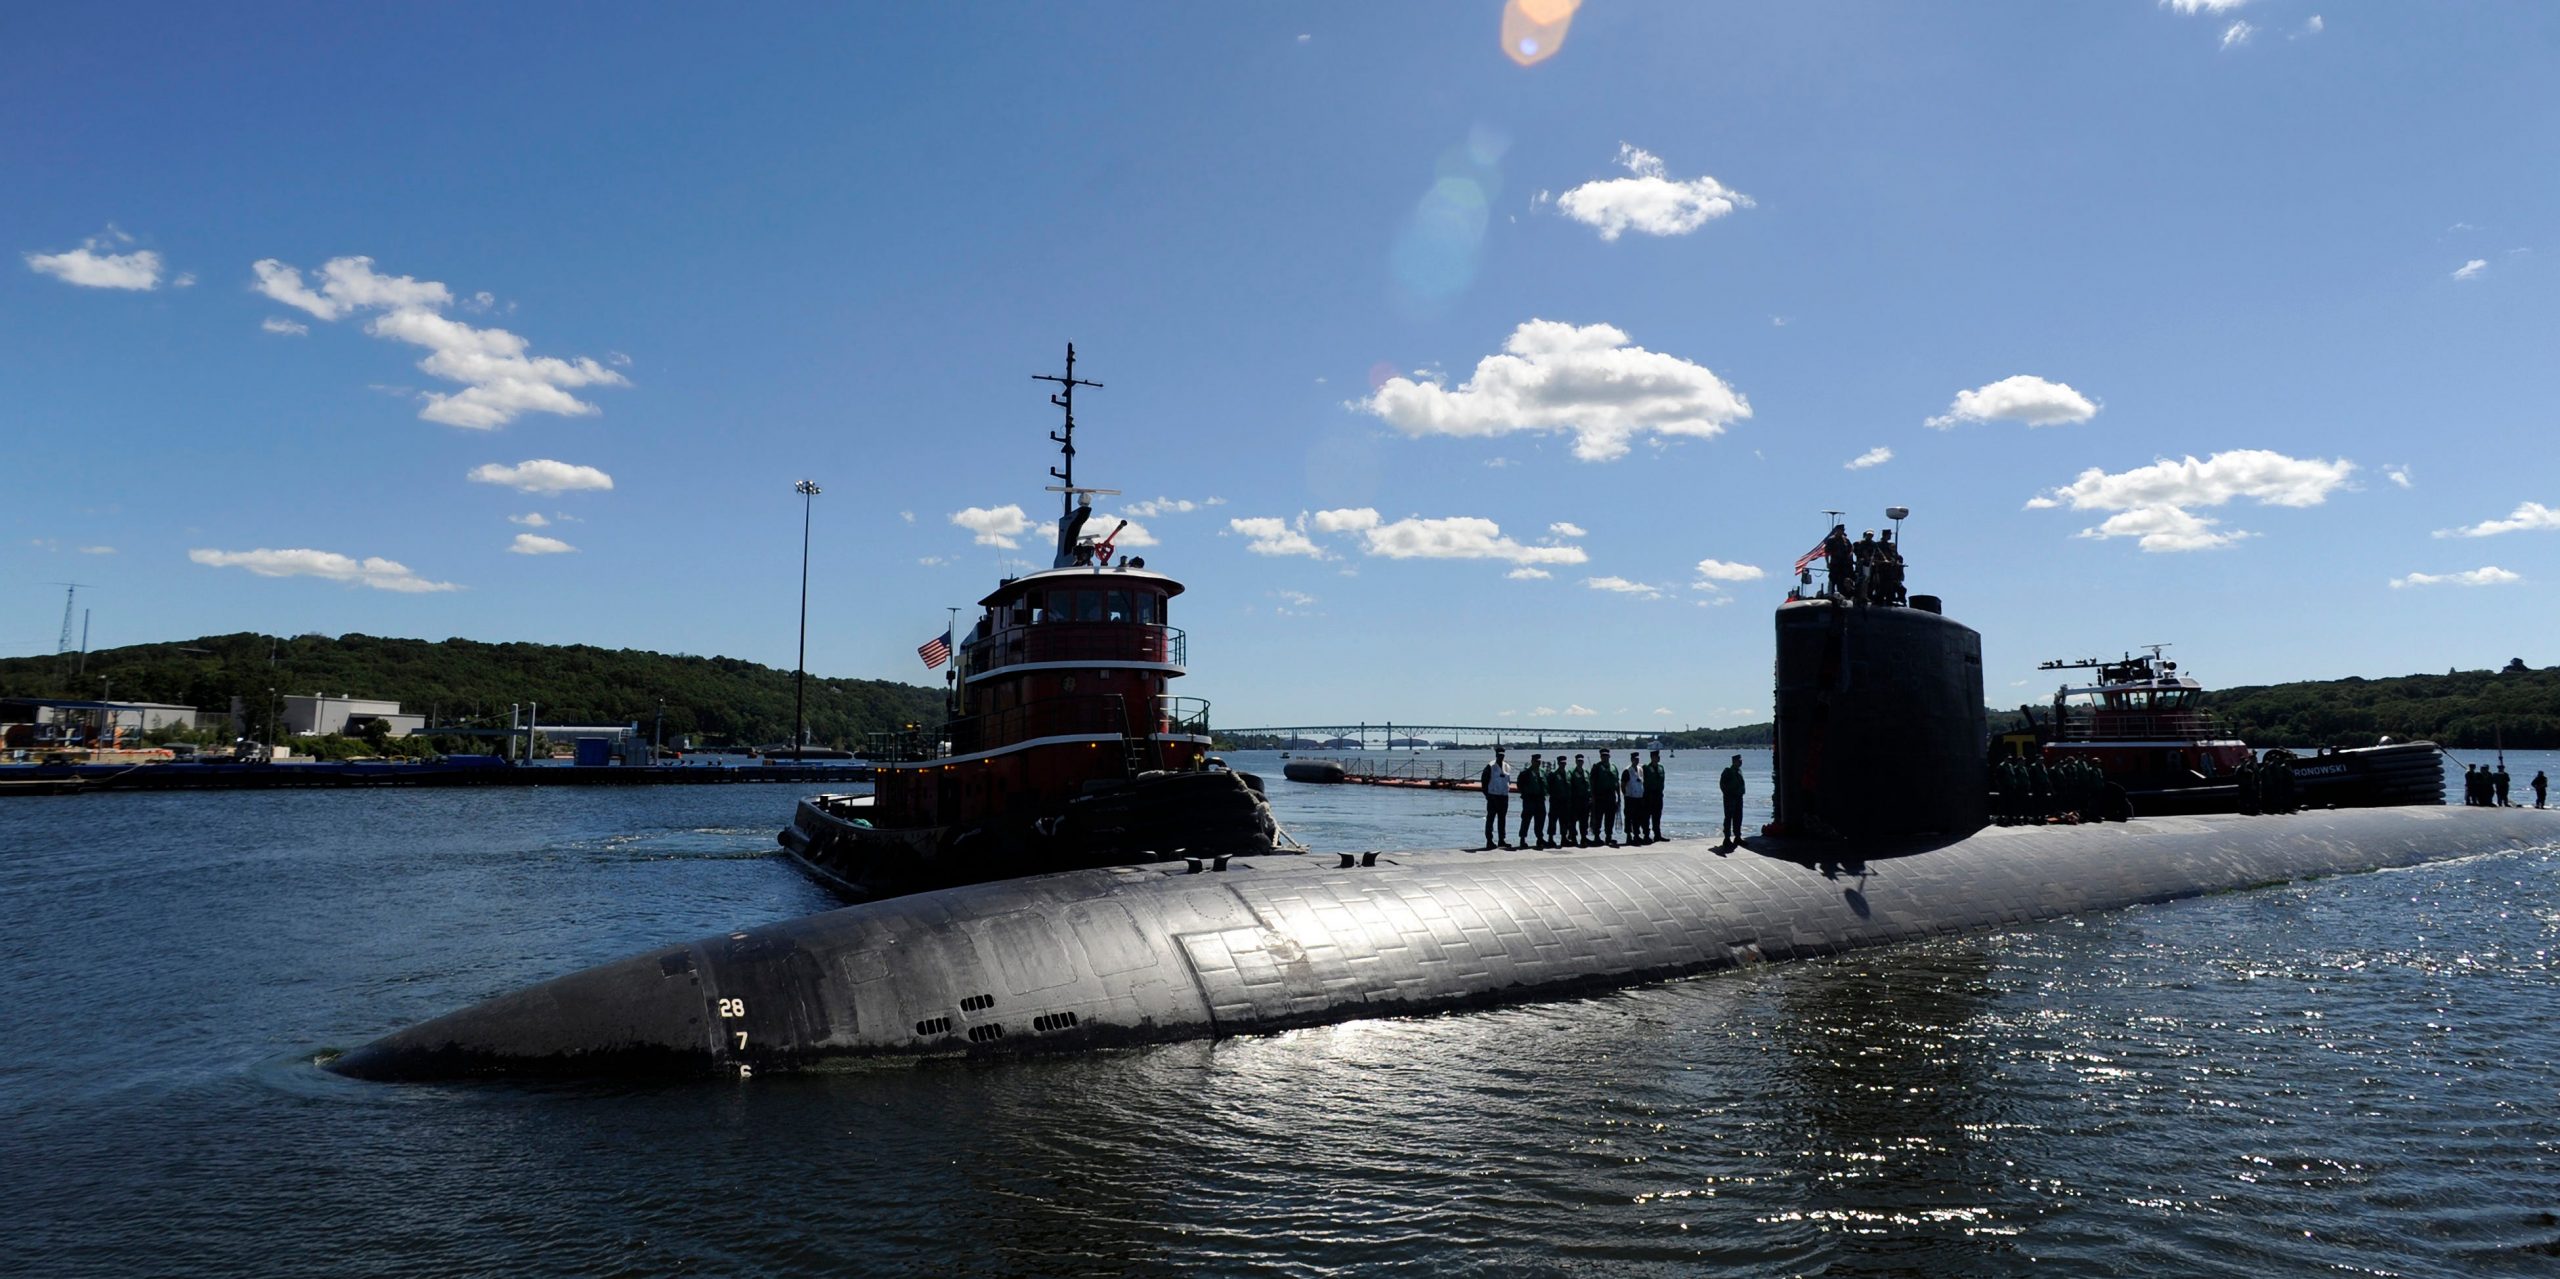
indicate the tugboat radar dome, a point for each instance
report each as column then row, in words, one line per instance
column 1897, row 512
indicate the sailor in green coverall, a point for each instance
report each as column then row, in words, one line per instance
column 1580, row 809
column 1604, row 801
column 1653, row 797
column 1559, row 800
column 1533, row 803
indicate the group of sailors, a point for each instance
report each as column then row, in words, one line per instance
column 2486, row 788
column 2030, row 792
column 1576, row 807
column 2267, row 786
column 1868, row 571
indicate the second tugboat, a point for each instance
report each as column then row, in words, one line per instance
column 2143, row 723
column 1063, row 749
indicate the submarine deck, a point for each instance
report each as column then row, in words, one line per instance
column 1159, row 952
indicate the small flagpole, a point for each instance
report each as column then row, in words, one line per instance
column 950, row 632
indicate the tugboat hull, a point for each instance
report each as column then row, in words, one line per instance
column 1156, row 816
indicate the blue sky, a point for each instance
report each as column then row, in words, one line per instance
column 1405, row 323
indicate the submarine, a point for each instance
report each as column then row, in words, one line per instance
column 1879, row 835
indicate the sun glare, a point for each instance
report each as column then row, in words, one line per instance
column 1532, row 30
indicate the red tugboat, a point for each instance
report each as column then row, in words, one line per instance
column 2143, row 724
column 1063, row 749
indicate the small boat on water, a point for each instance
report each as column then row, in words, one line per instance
column 1063, row 750
column 2142, row 722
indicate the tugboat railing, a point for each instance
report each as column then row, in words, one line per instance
column 1083, row 642
column 1183, row 716
column 2168, row 726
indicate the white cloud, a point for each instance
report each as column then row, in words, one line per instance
column 279, row 324
column 1567, row 528
column 2527, row 515
column 908, row 516
column 2399, row 475
column 97, row 550
column 2151, row 501
column 1169, row 506
column 1713, row 574
column 994, row 526
column 347, row 285
column 2022, row 398
column 536, row 544
column 1267, row 535
column 1579, row 709
column 1540, row 712
column 95, row 264
column 2237, row 34
column 933, row 561
column 1624, row 586
column 542, row 475
column 1299, row 598
column 500, row 381
column 1135, row 534
column 2314, row 25
column 1457, row 537
column 2203, row 6
column 373, row 571
column 2471, row 270
column 1588, row 380
column 1524, row 573
column 1661, row 710
column 1877, row 456
column 1507, row 714
column 1648, row 201
column 2486, row 575
column 531, row 519
column 1498, row 463
column 2166, row 528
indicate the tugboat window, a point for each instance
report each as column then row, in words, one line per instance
column 1146, row 606
column 1088, row 606
column 1119, row 607
column 1062, row 606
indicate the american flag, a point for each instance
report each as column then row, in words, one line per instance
column 935, row 651
column 1810, row 558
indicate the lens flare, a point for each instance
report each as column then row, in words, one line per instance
column 1532, row 30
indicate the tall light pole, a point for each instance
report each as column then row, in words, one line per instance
column 808, row 491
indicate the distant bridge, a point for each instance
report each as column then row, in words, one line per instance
column 1391, row 736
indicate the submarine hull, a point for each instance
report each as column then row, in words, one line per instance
column 1139, row 954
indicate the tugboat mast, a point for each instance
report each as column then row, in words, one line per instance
column 1073, row 511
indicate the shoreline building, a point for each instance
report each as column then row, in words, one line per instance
column 321, row 715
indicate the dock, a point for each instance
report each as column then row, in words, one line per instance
column 78, row 779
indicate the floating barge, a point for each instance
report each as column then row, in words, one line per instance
column 1406, row 774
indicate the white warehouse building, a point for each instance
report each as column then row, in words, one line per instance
column 319, row 714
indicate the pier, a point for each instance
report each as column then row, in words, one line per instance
column 76, row 779
column 1392, row 736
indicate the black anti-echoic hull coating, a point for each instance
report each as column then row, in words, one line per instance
column 1136, row 954
column 1880, row 722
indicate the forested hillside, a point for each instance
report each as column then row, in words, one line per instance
column 466, row 682
column 2459, row 708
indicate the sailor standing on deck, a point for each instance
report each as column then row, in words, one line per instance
column 1730, row 782
column 1631, row 790
column 1604, row 801
column 2541, row 787
column 1653, row 797
column 1559, row 798
column 1497, row 802
column 2498, row 780
column 1578, row 804
column 1533, row 803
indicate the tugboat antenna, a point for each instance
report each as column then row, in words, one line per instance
column 1065, row 398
